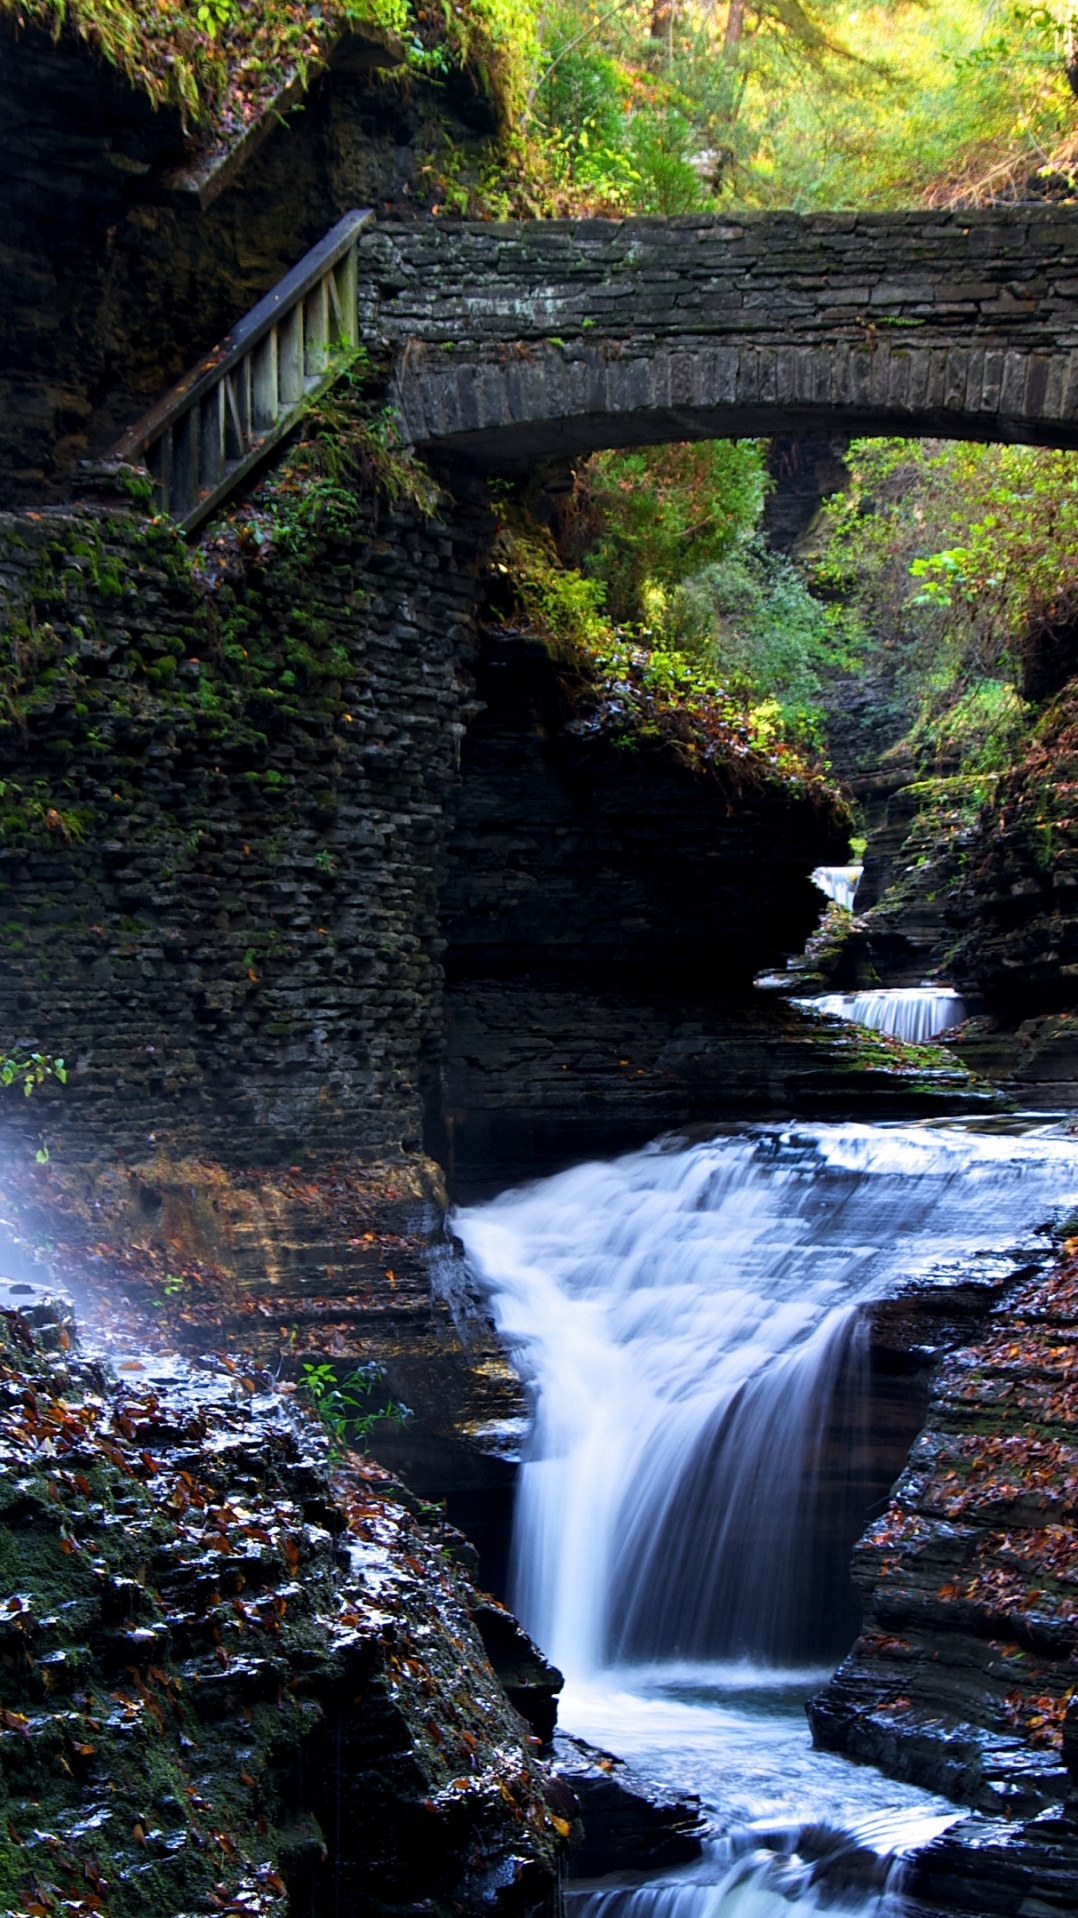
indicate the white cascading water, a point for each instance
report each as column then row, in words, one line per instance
column 687, row 1319
column 913, row 1013
column 838, row 883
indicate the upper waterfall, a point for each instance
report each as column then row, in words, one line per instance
column 912, row 1013
column 838, row 883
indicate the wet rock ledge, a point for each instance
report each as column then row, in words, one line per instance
column 965, row 1676
column 235, row 1677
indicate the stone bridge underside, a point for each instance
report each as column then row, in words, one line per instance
column 518, row 342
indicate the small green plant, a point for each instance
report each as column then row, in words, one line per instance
column 30, row 1070
column 172, row 1285
column 325, row 861
column 344, row 1405
column 27, row 814
column 213, row 15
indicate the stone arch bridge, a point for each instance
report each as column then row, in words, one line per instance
column 512, row 343
column 516, row 342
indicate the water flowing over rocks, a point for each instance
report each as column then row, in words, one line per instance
column 726, row 1339
column 913, row 1013
column 703, row 1455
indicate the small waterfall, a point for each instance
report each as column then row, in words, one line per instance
column 913, row 1013
column 816, row 1869
column 838, row 883
column 687, row 1318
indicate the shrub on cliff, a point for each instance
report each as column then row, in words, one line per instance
column 221, row 62
column 634, row 684
column 658, row 514
column 673, row 535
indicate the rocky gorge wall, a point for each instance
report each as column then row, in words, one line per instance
column 223, row 800
column 239, row 1675
column 963, row 1677
column 606, row 908
column 231, row 779
column 982, row 896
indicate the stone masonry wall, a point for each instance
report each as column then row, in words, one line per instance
column 220, row 827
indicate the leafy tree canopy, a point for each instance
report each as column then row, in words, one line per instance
column 668, row 106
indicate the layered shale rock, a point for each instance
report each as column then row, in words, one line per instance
column 225, row 779
column 964, row 1676
column 348, row 1266
column 236, row 1673
column 1018, row 906
column 607, row 904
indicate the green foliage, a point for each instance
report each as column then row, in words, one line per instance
column 223, row 61
column 217, row 60
column 28, row 813
column 956, row 556
column 566, row 608
column 349, row 457
column 652, row 108
column 30, row 1069
column 498, row 41
column 636, row 685
column 671, row 533
column 642, row 107
column 663, row 109
column 952, row 102
column 654, row 516
column 344, row 1404
column 752, row 618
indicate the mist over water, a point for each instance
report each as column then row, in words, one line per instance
column 689, row 1320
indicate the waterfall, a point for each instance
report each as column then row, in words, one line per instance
column 913, row 1013
column 816, row 1870
column 838, row 883
column 687, row 1319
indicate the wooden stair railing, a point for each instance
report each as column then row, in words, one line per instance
column 214, row 426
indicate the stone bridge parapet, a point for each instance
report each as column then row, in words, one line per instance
column 519, row 341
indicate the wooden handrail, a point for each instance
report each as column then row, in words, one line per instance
column 204, row 436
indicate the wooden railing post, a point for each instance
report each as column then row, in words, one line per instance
column 211, row 430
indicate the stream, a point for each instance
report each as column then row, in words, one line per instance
column 689, row 1322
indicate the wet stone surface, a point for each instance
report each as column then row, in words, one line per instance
column 964, row 1677
column 235, row 1673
